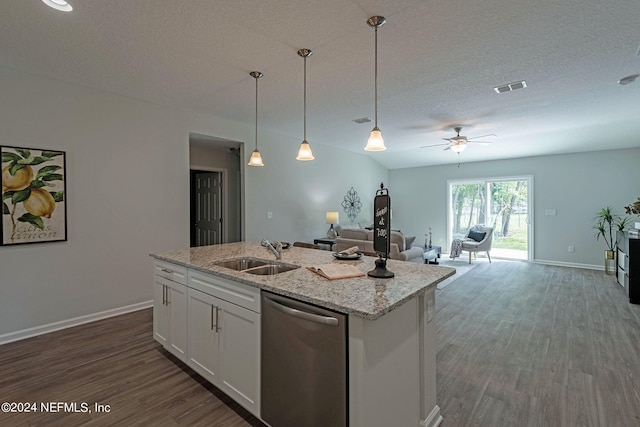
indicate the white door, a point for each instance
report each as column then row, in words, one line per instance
column 160, row 311
column 203, row 338
column 240, row 355
column 178, row 320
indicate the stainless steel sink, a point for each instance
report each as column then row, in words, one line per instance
column 242, row 263
column 256, row 266
column 267, row 270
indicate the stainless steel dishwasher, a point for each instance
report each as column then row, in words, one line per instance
column 304, row 364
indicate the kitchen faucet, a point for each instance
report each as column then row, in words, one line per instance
column 276, row 249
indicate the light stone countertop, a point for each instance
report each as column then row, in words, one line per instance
column 364, row 297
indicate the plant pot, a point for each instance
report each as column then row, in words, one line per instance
column 610, row 263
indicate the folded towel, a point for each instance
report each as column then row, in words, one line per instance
column 349, row 251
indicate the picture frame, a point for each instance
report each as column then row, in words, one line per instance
column 34, row 195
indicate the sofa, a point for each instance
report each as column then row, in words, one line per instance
column 400, row 246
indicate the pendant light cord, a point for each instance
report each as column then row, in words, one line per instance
column 305, row 98
column 256, row 113
column 375, row 74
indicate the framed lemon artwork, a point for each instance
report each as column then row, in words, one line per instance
column 33, row 196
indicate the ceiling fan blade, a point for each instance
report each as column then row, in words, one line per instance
column 482, row 136
column 447, row 139
column 448, row 148
column 436, row 145
column 481, row 142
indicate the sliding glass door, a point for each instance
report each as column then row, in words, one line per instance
column 502, row 203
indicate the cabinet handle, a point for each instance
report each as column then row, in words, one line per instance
column 168, row 295
column 166, row 270
column 217, row 320
column 212, row 326
column 164, row 294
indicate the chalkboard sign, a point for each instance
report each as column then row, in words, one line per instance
column 381, row 222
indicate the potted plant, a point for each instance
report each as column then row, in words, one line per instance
column 633, row 208
column 606, row 224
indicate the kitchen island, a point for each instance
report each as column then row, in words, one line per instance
column 391, row 331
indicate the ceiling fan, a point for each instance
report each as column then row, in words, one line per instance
column 459, row 142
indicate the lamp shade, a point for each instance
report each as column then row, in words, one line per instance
column 332, row 218
column 458, row 148
column 375, row 142
column 304, row 153
column 255, row 159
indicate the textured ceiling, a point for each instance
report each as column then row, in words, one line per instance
column 438, row 63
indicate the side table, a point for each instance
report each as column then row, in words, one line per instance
column 325, row 241
column 432, row 254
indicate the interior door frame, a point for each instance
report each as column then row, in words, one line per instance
column 486, row 181
column 225, row 195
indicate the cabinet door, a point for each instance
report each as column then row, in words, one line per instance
column 178, row 320
column 240, row 355
column 160, row 311
column 203, row 339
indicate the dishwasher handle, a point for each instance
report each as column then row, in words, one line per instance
column 325, row 320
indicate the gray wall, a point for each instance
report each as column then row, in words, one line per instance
column 576, row 185
column 128, row 195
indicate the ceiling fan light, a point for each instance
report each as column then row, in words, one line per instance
column 375, row 142
column 255, row 159
column 304, row 153
column 458, row 148
column 58, row 5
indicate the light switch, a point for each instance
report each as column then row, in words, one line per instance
column 550, row 212
column 269, row 215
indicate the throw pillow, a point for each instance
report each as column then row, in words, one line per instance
column 408, row 241
column 476, row 235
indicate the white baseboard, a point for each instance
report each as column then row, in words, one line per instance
column 433, row 420
column 69, row 323
column 569, row 264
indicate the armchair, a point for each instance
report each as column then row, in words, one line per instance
column 471, row 245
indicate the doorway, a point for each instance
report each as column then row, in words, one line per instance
column 502, row 203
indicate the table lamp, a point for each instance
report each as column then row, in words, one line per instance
column 332, row 218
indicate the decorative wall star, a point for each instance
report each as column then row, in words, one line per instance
column 352, row 204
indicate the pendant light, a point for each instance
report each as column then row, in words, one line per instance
column 256, row 158
column 304, row 153
column 375, row 142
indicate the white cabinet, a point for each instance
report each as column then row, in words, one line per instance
column 170, row 308
column 213, row 325
column 204, row 317
column 224, row 336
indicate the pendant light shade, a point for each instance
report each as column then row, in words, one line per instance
column 375, row 142
column 256, row 158
column 304, row 153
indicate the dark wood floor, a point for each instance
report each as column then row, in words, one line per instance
column 517, row 345
column 531, row 345
column 112, row 362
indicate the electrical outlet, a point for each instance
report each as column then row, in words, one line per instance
column 550, row 212
column 571, row 249
column 269, row 215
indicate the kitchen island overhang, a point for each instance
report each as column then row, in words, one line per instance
column 391, row 336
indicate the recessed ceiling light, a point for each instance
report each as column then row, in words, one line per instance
column 58, row 5
column 629, row 79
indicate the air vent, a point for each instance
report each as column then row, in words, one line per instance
column 362, row 120
column 510, row 87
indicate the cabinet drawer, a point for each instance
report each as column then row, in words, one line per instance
column 170, row 271
column 621, row 276
column 622, row 259
column 237, row 293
